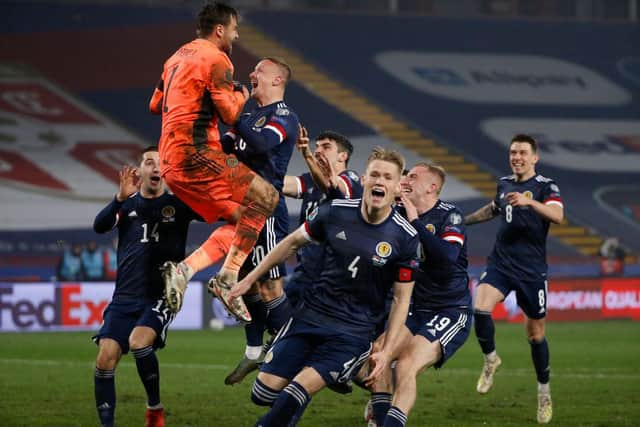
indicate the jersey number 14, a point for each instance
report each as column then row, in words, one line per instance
column 154, row 233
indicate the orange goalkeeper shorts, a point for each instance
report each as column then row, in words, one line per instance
column 210, row 182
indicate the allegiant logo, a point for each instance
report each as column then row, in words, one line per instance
column 502, row 78
column 446, row 76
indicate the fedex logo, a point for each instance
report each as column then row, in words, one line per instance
column 76, row 306
column 45, row 306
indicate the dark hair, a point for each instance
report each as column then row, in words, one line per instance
column 282, row 64
column 213, row 14
column 343, row 143
column 146, row 150
column 521, row 137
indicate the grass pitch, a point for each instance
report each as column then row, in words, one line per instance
column 46, row 379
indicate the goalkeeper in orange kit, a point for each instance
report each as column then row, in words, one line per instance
column 195, row 91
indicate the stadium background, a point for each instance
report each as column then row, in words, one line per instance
column 447, row 81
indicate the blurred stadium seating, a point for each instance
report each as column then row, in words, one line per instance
column 76, row 77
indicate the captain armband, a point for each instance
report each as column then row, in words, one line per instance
column 404, row 275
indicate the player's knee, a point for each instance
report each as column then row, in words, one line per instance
column 106, row 360
column 535, row 336
column 407, row 368
column 271, row 289
column 136, row 343
column 262, row 394
column 271, row 198
column 263, row 194
column 141, row 338
column 535, row 330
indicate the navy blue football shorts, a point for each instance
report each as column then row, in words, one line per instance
column 275, row 229
column 450, row 326
column 120, row 318
column 336, row 356
column 531, row 295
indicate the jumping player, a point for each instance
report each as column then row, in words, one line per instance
column 195, row 91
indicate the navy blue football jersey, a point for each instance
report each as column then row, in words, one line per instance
column 520, row 250
column 264, row 141
column 150, row 232
column 309, row 256
column 442, row 284
column 360, row 264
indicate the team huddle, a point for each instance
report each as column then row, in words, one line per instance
column 380, row 292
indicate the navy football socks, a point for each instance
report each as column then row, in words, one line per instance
column 540, row 356
column 253, row 331
column 149, row 372
column 105, row 394
column 279, row 311
column 485, row 330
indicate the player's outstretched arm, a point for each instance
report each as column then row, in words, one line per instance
column 320, row 176
column 485, row 213
column 280, row 253
column 379, row 361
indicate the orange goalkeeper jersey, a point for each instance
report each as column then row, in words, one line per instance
column 194, row 92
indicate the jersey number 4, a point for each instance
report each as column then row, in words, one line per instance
column 353, row 267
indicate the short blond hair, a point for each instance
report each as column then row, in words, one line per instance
column 284, row 67
column 437, row 170
column 391, row 156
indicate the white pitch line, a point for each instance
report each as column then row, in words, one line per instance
column 76, row 363
column 555, row 373
column 517, row 372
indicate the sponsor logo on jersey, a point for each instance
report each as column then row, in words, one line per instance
column 587, row 145
column 430, row 228
column 261, row 121
column 341, row 235
column 133, row 214
column 282, row 112
column 502, row 78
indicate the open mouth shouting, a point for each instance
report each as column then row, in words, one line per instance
column 377, row 194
